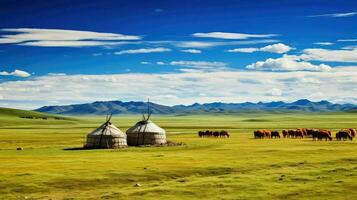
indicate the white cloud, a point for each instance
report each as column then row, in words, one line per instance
column 350, row 47
column 143, row 50
column 198, row 64
column 17, row 73
column 232, row 36
column 336, row 15
column 201, row 44
column 243, row 50
column 69, row 43
column 274, row 48
column 56, row 74
column 324, row 43
column 194, row 51
column 347, row 40
column 160, row 63
column 183, row 88
column 145, row 63
column 275, row 92
column 61, row 38
column 286, row 63
column 330, row 55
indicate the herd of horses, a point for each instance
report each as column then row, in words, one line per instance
column 216, row 134
column 315, row 134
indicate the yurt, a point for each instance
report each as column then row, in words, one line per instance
column 106, row 136
column 145, row 132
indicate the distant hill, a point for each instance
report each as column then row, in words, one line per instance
column 9, row 117
column 133, row 107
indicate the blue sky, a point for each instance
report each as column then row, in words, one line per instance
column 56, row 43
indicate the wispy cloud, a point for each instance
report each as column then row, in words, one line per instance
column 232, row 36
column 336, row 15
column 274, row 48
column 350, row 47
column 193, row 51
column 17, row 73
column 200, row 65
column 61, row 38
column 347, row 40
column 143, row 50
column 328, row 55
column 205, row 44
column 324, row 43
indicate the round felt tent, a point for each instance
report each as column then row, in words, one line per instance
column 145, row 132
column 106, row 136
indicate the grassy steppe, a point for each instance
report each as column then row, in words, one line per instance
column 236, row 168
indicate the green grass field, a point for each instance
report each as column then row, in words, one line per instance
column 203, row 168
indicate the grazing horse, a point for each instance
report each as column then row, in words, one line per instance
column 262, row 133
column 353, row 132
column 309, row 132
column 344, row 134
column 267, row 133
column 285, row 133
column 223, row 133
column 216, row 134
column 291, row 133
column 275, row 134
column 303, row 131
column 321, row 134
column 299, row 133
column 259, row 134
column 201, row 133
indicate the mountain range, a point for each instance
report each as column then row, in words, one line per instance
column 138, row 107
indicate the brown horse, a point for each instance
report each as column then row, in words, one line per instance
column 223, row 133
column 344, row 134
column 275, row 134
column 353, row 132
column 201, row 133
column 285, row 133
column 321, row 134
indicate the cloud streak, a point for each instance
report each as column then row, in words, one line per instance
column 17, row 73
column 193, row 51
column 232, row 36
column 205, row 44
column 143, row 50
column 61, row 37
column 328, row 55
column 336, row 15
column 274, row 48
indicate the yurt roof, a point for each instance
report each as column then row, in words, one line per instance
column 107, row 129
column 145, row 126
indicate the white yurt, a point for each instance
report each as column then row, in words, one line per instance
column 145, row 132
column 107, row 136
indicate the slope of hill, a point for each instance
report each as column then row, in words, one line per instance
column 132, row 107
column 9, row 117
